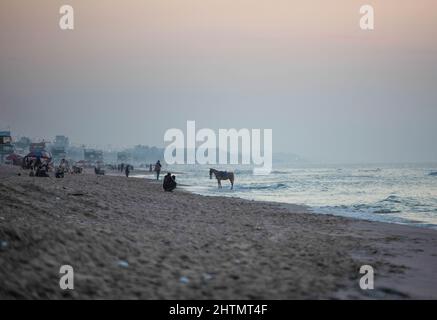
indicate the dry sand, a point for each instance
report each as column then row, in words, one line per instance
column 221, row 248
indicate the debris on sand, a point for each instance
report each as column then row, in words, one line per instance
column 3, row 244
column 184, row 280
column 77, row 194
column 123, row 263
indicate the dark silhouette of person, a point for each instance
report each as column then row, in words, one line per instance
column 42, row 170
column 38, row 163
column 127, row 171
column 169, row 182
column 158, row 169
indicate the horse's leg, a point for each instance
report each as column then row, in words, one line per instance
column 232, row 183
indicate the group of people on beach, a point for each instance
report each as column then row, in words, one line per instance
column 169, row 183
column 41, row 167
column 37, row 167
column 126, row 168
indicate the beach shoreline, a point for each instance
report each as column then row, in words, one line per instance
column 128, row 239
column 414, row 217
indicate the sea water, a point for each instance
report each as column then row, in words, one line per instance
column 401, row 193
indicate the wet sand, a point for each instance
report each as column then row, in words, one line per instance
column 127, row 239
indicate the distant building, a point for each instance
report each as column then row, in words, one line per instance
column 58, row 152
column 37, row 146
column 23, row 144
column 123, row 156
column 61, row 141
column 59, row 147
column 6, row 146
column 142, row 153
column 93, row 156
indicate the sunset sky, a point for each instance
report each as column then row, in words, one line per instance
column 132, row 69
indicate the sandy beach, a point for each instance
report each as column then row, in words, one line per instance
column 127, row 239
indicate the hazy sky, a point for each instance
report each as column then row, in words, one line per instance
column 132, row 69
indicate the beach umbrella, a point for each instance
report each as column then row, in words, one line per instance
column 42, row 154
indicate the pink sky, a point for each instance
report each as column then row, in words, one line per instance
column 303, row 61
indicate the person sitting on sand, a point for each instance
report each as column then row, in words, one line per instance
column 169, row 182
column 42, row 170
column 37, row 163
column 64, row 167
column 61, row 169
column 99, row 171
column 158, row 169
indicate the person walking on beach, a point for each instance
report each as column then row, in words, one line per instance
column 127, row 171
column 158, row 169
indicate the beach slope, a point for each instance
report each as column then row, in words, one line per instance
column 127, row 239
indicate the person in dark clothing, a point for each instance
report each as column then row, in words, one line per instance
column 166, row 182
column 158, row 169
column 37, row 163
column 127, row 171
column 42, row 170
column 169, row 182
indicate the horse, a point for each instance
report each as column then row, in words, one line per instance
column 222, row 175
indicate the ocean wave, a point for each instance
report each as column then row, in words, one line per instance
column 274, row 186
column 370, row 170
column 280, row 172
column 393, row 199
column 357, row 176
column 385, row 211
